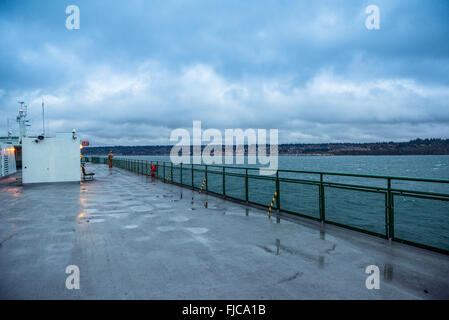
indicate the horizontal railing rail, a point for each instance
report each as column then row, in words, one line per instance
column 422, row 225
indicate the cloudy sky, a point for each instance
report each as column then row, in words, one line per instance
column 135, row 70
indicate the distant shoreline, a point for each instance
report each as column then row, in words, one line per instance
column 287, row 155
column 413, row 148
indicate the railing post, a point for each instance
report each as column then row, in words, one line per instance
column 181, row 173
column 390, row 208
column 192, row 178
column 322, row 199
column 246, row 185
column 224, row 181
column 157, row 169
column 163, row 172
column 278, row 199
column 171, row 171
column 205, row 176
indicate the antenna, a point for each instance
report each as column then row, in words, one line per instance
column 43, row 117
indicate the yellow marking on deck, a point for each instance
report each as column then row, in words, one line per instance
column 202, row 186
column 271, row 205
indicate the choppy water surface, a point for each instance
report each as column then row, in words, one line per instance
column 420, row 220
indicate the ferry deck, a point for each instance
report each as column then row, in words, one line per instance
column 134, row 237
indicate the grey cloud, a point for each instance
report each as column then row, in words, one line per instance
column 134, row 72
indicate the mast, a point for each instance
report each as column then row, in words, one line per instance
column 21, row 120
column 43, row 118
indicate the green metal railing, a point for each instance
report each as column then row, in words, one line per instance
column 386, row 210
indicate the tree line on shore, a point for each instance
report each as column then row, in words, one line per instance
column 414, row 147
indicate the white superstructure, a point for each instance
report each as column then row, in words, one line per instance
column 51, row 159
column 7, row 160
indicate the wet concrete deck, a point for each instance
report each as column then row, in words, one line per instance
column 136, row 238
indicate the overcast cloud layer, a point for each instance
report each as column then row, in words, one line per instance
column 138, row 69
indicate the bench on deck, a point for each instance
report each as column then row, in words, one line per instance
column 87, row 175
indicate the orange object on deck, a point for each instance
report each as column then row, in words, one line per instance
column 110, row 157
column 153, row 170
